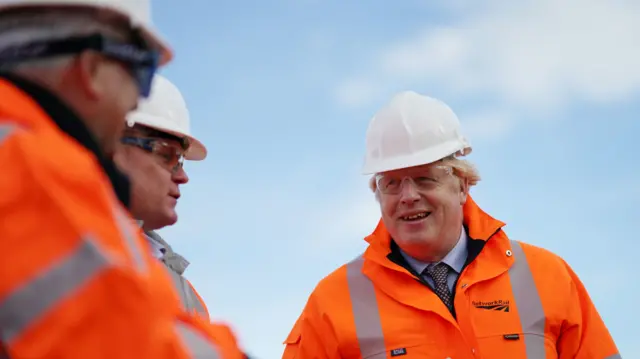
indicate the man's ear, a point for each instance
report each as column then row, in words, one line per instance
column 464, row 190
column 89, row 65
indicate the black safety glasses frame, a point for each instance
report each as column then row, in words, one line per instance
column 143, row 62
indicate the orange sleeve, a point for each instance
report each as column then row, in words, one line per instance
column 219, row 334
column 584, row 334
column 222, row 335
column 311, row 336
column 226, row 341
column 72, row 284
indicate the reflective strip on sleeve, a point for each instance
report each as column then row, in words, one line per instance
column 528, row 302
column 365, row 309
column 614, row 356
column 367, row 315
column 5, row 131
column 197, row 345
column 28, row 303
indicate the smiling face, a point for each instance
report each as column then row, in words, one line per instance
column 422, row 209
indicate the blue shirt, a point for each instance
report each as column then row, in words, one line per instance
column 455, row 259
column 156, row 248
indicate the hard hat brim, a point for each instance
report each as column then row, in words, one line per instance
column 418, row 159
column 158, row 43
column 196, row 151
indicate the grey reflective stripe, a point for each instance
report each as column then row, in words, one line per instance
column 5, row 131
column 528, row 302
column 367, row 315
column 614, row 356
column 365, row 310
column 188, row 297
column 125, row 224
column 197, row 345
column 34, row 298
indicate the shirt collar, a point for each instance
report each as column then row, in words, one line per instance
column 156, row 248
column 172, row 259
column 454, row 259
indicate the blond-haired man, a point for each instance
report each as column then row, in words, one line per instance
column 440, row 277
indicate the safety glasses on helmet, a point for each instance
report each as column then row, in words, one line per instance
column 141, row 61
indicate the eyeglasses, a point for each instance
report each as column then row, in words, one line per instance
column 170, row 155
column 424, row 179
column 141, row 61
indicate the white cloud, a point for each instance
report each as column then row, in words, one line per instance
column 357, row 92
column 343, row 223
column 535, row 54
column 488, row 125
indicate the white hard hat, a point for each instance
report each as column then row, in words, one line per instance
column 137, row 11
column 165, row 110
column 412, row 130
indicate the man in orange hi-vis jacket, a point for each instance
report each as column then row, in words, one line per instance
column 440, row 278
column 78, row 280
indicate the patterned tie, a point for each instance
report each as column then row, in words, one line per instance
column 439, row 274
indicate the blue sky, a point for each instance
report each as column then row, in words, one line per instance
column 281, row 92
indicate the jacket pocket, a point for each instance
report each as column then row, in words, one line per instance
column 517, row 345
column 420, row 351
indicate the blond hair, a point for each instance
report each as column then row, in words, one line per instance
column 464, row 170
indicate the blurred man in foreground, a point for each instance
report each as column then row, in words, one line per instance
column 78, row 281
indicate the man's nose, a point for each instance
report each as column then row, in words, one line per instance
column 408, row 192
column 180, row 176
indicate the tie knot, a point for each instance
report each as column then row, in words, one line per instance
column 438, row 272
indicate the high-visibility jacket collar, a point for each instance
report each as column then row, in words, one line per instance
column 395, row 280
column 480, row 226
column 30, row 105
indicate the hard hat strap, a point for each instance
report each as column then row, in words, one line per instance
column 142, row 61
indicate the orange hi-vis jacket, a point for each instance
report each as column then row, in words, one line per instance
column 78, row 280
column 512, row 301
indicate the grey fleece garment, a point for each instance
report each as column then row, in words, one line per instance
column 176, row 265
